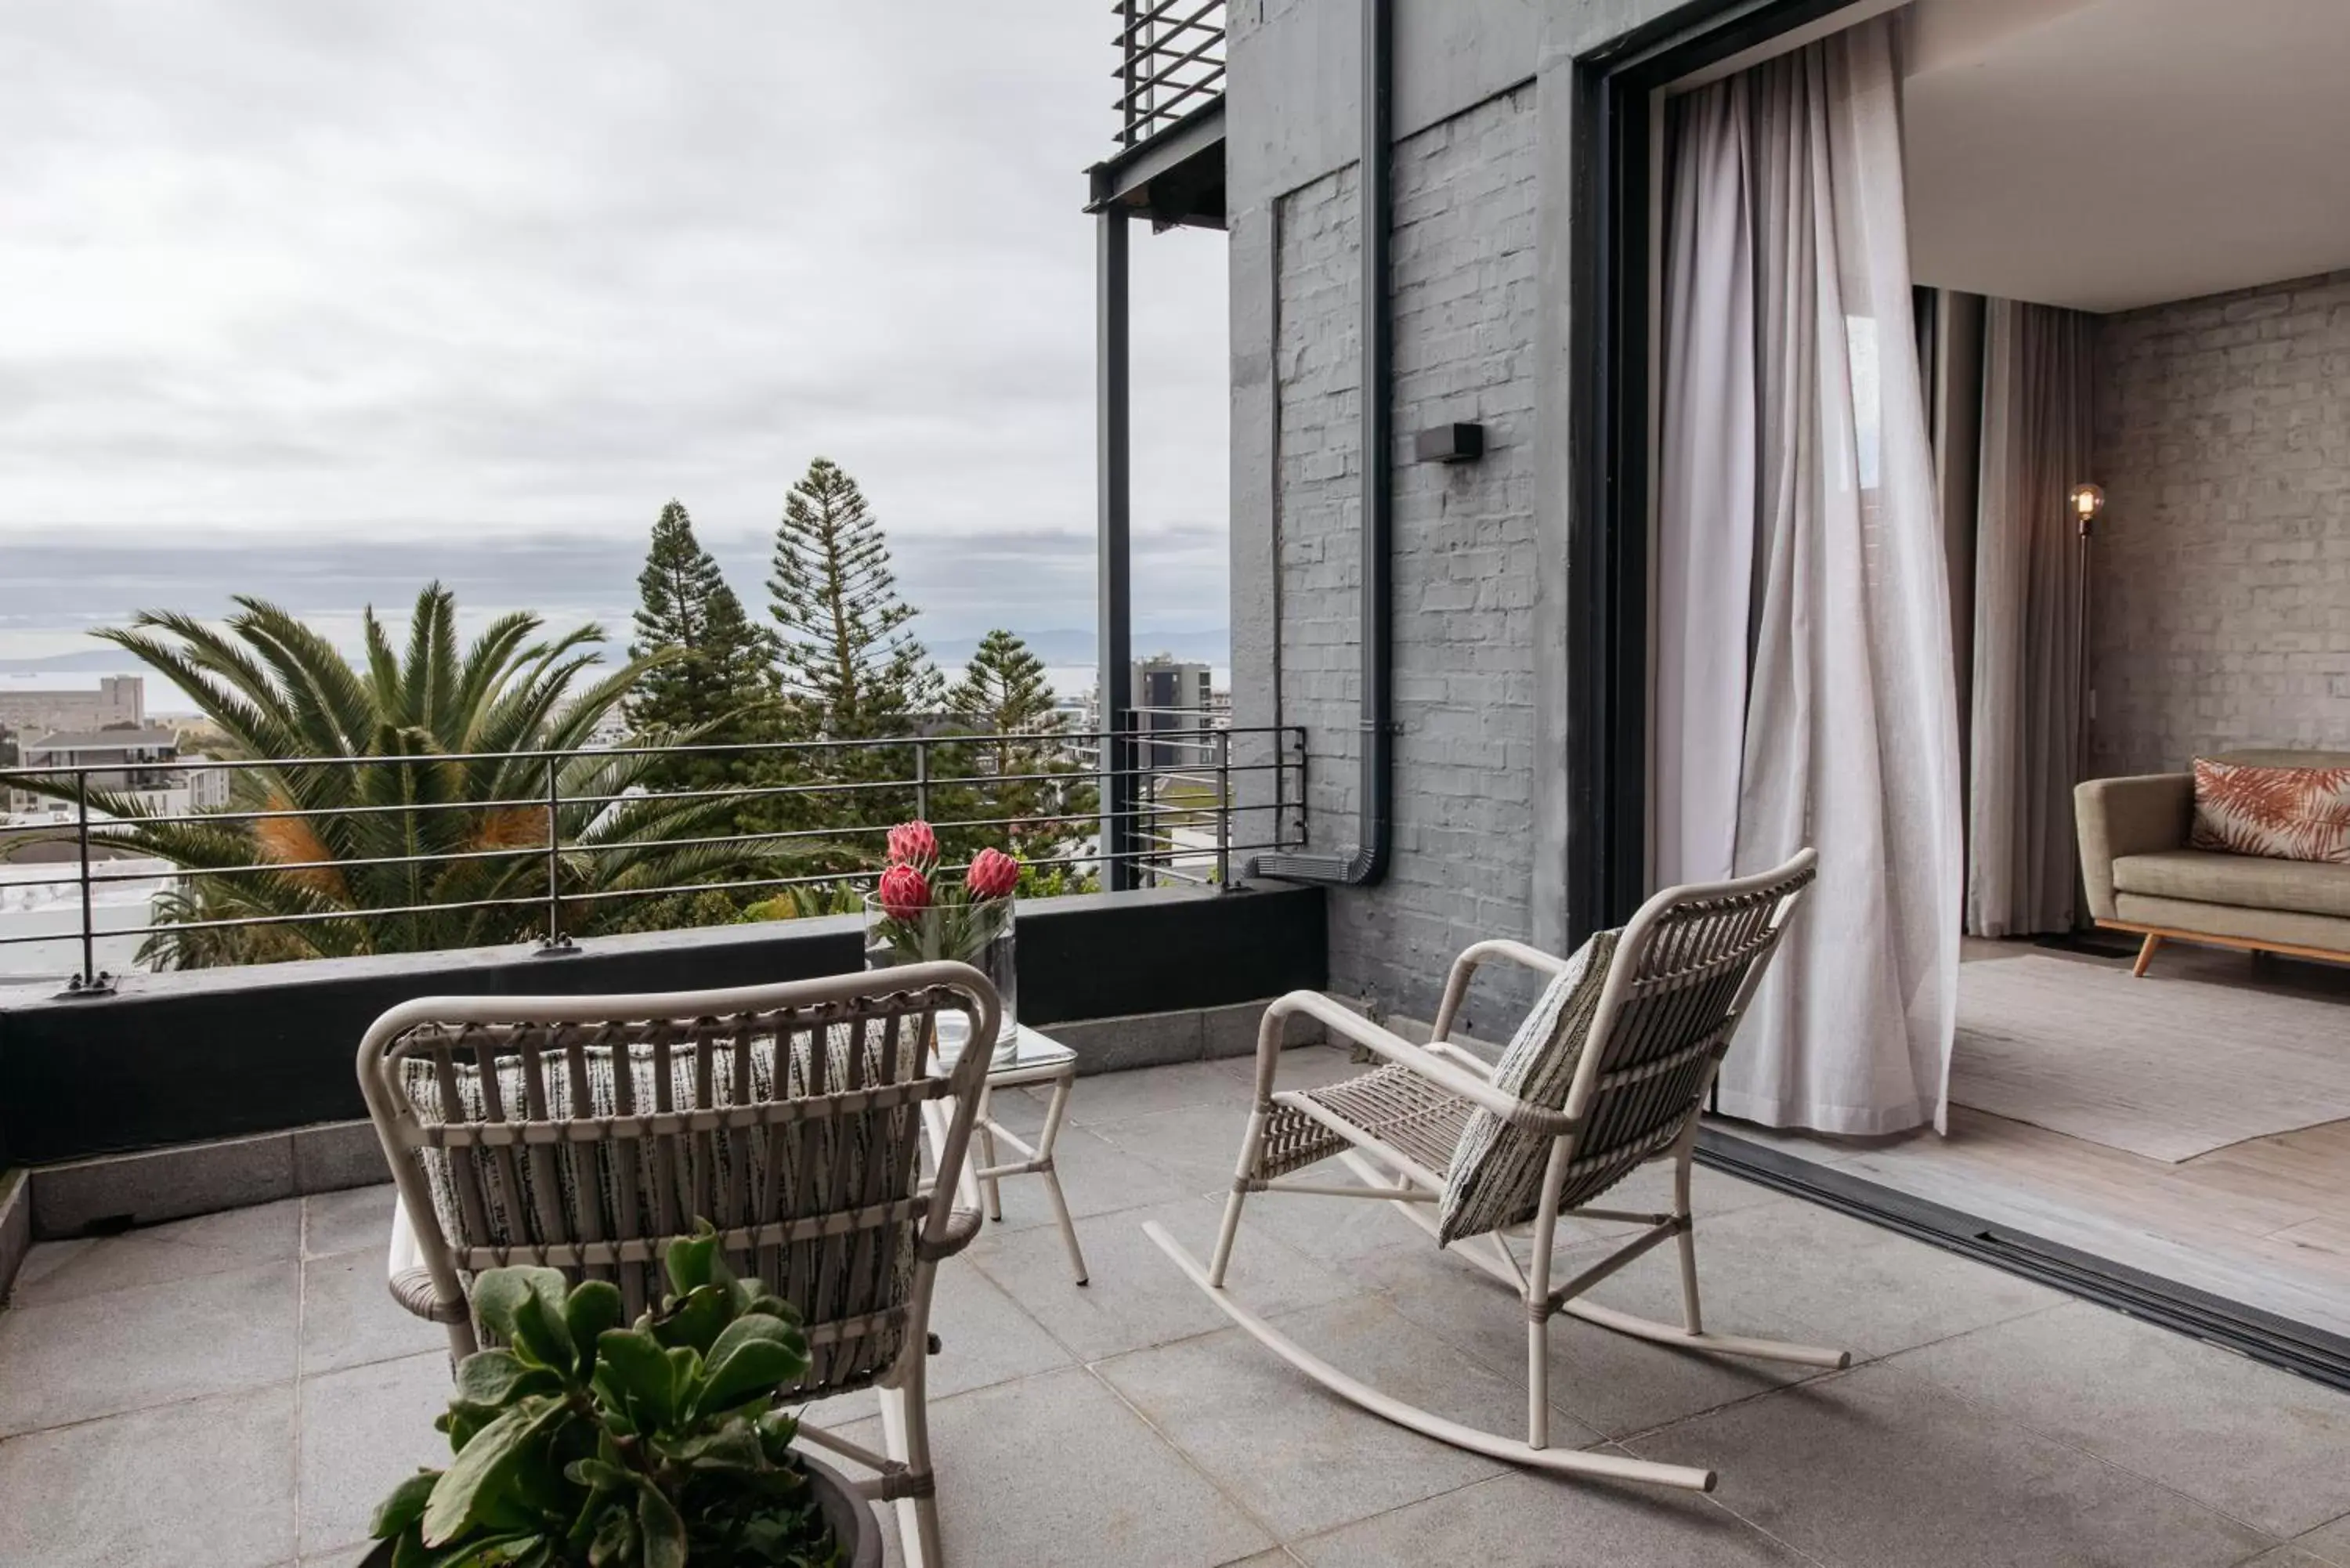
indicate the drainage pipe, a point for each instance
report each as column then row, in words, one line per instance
column 1365, row 863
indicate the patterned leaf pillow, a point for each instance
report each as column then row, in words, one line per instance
column 1497, row 1168
column 2286, row 814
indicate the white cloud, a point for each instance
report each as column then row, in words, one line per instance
column 403, row 278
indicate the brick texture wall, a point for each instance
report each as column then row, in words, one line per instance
column 2223, row 561
column 1465, row 326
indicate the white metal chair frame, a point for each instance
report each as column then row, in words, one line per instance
column 1661, row 1029
column 769, row 1233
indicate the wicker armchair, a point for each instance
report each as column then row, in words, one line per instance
column 1624, row 1044
column 586, row 1133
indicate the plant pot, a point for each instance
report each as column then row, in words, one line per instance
column 854, row 1522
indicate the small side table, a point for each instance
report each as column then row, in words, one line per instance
column 1036, row 1058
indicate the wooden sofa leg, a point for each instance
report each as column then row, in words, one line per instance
column 2146, row 954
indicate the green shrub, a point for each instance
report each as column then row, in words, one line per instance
column 585, row 1442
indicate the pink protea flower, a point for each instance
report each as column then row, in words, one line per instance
column 993, row 875
column 904, row 893
column 913, row 844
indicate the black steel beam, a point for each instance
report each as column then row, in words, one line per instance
column 1113, row 541
column 1176, row 177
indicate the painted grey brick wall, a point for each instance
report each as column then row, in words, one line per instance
column 2223, row 560
column 1465, row 330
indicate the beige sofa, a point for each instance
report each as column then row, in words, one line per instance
column 2141, row 877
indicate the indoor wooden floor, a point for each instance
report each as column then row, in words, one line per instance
column 2265, row 1221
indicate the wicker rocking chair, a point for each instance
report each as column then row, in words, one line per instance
column 586, row 1133
column 1642, row 1051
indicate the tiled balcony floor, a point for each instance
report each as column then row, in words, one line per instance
column 237, row 1391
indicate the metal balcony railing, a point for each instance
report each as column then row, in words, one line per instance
column 1171, row 62
column 1187, row 822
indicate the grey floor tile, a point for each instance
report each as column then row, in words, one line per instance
column 985, row 1339
column 1793, row 1270
column 2289, row 1555
column 351, row 1557
column 1138, row 1296
column 1713, row 1193
column 1611, row 1382
column 1198, row 1145
column 351, row 1221
column 2270, row 1449
column 1056, row 1469
column 348, row 1317
column 1300, row 1457
column 205, row 1480
column 156, row 1254
column 363, row 1431
column 1095, row 1177
column 1118, row 1096
column 1329, row 1230
column 133, row 1349
column 2329, row 1542
column 1302, row 1067
column 1882, row 1468
column 1524, row 1520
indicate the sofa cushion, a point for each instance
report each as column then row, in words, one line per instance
column 2244, row 881
column 2289, row 812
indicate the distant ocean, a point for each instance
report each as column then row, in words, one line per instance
column 1070, row 681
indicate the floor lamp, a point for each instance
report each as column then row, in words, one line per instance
column 2086, row 500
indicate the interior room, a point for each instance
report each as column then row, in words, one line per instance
column 2128, row 229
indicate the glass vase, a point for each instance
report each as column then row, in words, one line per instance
column 979, row 933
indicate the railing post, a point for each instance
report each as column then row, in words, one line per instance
column 89, row 981
column 555, row 943
column 1129, row 73
column 1223, row 811
column 922, row 778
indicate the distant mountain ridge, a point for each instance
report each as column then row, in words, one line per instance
column 1206, row 645
column 1061, row 647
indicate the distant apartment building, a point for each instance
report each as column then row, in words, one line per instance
column 1170, row 694
column 34, row 711
column 138, row 762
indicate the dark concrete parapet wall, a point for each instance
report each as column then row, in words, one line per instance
column 222, row 1053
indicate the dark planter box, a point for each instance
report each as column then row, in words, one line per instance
column 219, row 1053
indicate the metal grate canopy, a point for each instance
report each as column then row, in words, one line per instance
column 1171, row 62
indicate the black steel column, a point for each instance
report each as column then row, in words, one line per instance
column 1113, row 554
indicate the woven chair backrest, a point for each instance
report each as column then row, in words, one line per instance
column 587, row 1133
column 1682, row 973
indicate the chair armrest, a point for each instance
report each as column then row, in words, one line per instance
column 2134, row 816
column 1447, row 1075
column 409, row 1281
column 961, row 1228
column 1464, row 968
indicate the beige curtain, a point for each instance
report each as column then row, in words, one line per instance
column 1846, row 715
column 2038, row 371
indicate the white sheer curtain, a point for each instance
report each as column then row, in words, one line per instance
column 1705, row 490
column 1844, row 714
column 2022, row 870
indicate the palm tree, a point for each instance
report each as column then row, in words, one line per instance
column 407, row 806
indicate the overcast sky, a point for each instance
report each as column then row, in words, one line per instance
column 318, row 300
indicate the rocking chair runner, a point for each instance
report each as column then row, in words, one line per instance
column 586, row 1133
column 1679, row 979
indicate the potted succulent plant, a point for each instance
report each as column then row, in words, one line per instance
column 917, row 915
column 585, row 1442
